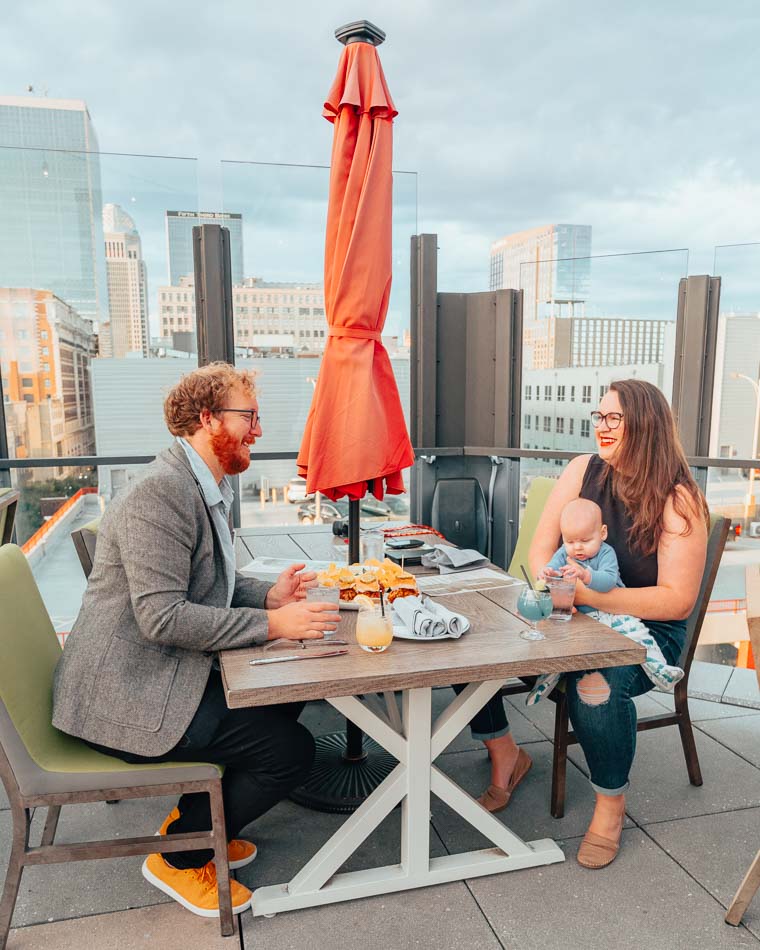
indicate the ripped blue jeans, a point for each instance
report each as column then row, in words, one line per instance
column 604, row 724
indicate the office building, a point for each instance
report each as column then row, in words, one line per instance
column 46, row 348
column 51, row 231
column 262, row 310
column 179, row 241
column 736, row 396
column 127, row 285
column 550, row 264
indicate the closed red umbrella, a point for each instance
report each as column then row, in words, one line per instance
column 356, row 438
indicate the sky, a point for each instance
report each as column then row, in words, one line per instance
column 639, row 119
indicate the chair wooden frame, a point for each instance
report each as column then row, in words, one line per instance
column 743, row 897
column 85, row 555
column 565, row 737
column 47, row 852
column 9, row 502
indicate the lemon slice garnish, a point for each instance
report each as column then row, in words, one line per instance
column 363, row 601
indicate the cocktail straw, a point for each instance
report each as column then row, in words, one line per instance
column 382, row 602
column 525, row 575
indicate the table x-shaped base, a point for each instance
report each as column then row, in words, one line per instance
column 416, row 744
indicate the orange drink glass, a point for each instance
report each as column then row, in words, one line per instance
column 374, row 632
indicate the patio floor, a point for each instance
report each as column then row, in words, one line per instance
column 685, row 851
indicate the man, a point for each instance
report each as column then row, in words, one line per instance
column 139, row 676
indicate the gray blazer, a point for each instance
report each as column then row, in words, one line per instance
column 140, row 651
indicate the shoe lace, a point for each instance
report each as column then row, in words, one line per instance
column 207, row 876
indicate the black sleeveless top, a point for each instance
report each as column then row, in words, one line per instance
column 636, row 570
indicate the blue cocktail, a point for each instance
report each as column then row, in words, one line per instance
column 534, row 605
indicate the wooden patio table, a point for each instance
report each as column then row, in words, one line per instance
column 490, row 653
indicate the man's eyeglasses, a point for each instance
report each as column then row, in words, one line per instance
column 253, row 416
column 613, row 419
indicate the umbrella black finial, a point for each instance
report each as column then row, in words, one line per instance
column 360, row 31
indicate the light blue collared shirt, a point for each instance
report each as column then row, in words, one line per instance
column 219, row 500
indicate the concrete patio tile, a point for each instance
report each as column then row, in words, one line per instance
column 527, row 814
column 643, row 899
column 431, row 918
column 716, row 850
column 289, row 835
column 708, row 680
column 660, row 788
column 702, row 709
column 60, row 891
column 741, row 735
column 742, row 689
column 167, row 926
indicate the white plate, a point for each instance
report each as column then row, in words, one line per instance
column 403, row 633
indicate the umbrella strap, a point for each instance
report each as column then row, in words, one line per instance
column 355, row 332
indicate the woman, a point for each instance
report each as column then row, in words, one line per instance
column 657, row 520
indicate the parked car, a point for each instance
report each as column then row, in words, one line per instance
column 297, row 490
column 370, row 509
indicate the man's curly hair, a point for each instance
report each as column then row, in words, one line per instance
column 206, row 388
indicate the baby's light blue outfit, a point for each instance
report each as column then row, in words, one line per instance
column 605, row 575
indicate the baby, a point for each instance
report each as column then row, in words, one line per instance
column 585, row 555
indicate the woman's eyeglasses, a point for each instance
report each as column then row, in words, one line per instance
column 252, row 415
column 613, row 419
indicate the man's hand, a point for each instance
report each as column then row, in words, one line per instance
column 290, row 587
column 302, row 620
column 577, row 570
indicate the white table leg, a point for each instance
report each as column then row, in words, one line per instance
column 411, row 783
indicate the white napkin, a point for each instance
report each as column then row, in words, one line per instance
column 455, row 623
column 448, row 559
column 425, row 618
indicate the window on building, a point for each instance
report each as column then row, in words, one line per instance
column 586, row 394
column 572, row 394
column 571, row 426
column 43, row 335
column 602, row 391
column 560, row 393
column 560, row 425
column 547, row 423
column 528, row 392
column 547, row 393
column 527, row 421
column 585, row 428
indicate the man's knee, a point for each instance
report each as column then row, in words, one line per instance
column 593, row 689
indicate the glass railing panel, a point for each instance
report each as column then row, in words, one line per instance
column 87, row 243
column 586, row 322
column 279, row 315
column 736, row 393
column 725, row 637
column 53, row 503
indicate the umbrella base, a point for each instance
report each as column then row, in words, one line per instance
column 338, row 783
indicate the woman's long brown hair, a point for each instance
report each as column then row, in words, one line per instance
column 650, row 466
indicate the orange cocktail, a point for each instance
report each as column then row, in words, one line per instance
column 374, row 631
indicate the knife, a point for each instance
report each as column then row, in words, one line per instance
column 296, row 656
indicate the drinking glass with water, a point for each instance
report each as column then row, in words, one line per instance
column 534, row 605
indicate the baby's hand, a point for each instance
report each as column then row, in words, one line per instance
column 577, row 570
column 548, row 572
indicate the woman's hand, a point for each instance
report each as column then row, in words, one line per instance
column 302, row 620
column 290, row 587
column 582, row 594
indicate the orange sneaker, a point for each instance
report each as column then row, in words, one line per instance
column 195, row 888
column 239, row 851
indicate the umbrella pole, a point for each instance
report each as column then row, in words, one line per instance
column 347, row 767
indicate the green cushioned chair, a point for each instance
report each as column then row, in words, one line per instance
column 538, row 493
column 85, row 539
column 41, row 766
column 540, row 489
column 8, row 502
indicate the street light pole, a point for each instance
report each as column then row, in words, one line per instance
column 749, row 498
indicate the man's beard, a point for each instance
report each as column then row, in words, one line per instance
column 227, row 450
